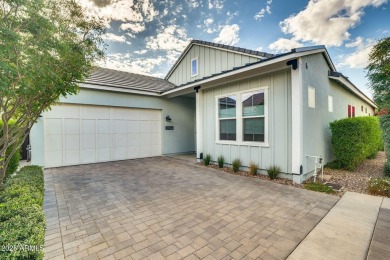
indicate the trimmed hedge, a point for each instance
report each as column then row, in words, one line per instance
column 22, row 220
column 385, row 125
column 14, row 162
column 355, row 139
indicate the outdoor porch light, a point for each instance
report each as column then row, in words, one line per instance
column 168, row 118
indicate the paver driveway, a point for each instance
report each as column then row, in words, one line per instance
column 168, row 208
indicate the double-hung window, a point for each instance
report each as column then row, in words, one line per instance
column 227, row 118
column 253, row 116
column 242, row 117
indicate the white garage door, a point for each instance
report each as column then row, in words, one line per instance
column 81, row 134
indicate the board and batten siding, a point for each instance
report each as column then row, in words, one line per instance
column 210, row 61
column 316, row 132
column 279, row 123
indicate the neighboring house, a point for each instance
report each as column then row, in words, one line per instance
column 217, row 100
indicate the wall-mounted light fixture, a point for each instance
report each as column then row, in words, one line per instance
column 168, row 118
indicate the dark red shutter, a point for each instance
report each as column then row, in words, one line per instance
column 349, row 110
column 353, row 111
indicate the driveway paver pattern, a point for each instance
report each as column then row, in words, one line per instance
column 167, row 208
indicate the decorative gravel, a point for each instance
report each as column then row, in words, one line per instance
column 356, row 181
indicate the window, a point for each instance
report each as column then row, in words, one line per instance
column 242, row 117
column 362, row 108
column 311, row 95
column 227, row 118
column 253, row 116
column 330, row 103
column 194, row 67
column 366, row 110
column 351, row 111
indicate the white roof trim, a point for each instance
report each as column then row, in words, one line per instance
column 354, row 89
column 118, row 89
column 244, row 69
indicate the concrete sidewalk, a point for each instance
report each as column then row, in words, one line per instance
column 350, row 231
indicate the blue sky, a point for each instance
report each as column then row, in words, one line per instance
column 148, row 36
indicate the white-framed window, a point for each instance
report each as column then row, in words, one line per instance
column 242, row 118
column 194, row 67
column 311, row 97
column 330, row 103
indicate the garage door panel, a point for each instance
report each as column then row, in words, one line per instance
column 76, row 134
column 132, row 126
column 54, row 158
column 103, row 126
column 89, row 126
column 104, row 154
column 120, row 126
column 144, row 126
column 53, row 143
column 89, row 141
column 104, row 141
column 89, row 155
column 53, row 126
column 72, row 142
column 120, row 140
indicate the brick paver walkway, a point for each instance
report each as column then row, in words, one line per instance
column 165, row 208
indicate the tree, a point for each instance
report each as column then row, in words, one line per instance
column 378, row 72
column 46, row 46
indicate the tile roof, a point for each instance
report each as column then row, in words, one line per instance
column 128, row 80
column 232, row 48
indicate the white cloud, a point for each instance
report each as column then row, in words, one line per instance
column 113, row 37
column 264, row 11
column 134, row 27
column 359, row 58
column 125, row 62
column 284, row 45
column 120, row 10
column 327, row 21
column 216, row 4
column 229, row 35
column 208, row 21
column 193, row 3
column 141, row 51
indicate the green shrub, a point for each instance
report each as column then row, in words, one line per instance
column 253, row 168
column 221, row 161
column 355, row 139
column 334, row 165
column 207, row 160
column 379, row 186
column 317, row 186
column 14, row 161
column 273, row 172
column 236, row 165
column 22, row 220
column 387, row 169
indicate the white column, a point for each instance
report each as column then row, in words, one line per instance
column 296, row 111
column 199, row 123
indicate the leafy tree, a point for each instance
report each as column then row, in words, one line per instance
column 378, row 72
column 45, row 47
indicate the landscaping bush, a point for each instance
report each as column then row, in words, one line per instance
column 221, row 161
column 207, row 160
column 385, row 125
column 355, row 139
column 236, row 165
column 273, row 172
column 253, row 168
column 379, row 186
column 22, row 220
column 317, row 186
column 14, row 162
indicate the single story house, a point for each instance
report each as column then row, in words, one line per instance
column 216, row 99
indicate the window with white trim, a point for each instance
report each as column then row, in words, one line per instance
column 227, row 118
column 194, row 67
column 242, row 117
column 330, row 103
column 311, row 96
